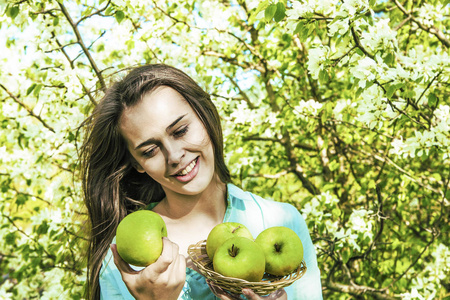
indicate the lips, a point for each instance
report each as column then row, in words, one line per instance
column 187, row 169
column 188, row 173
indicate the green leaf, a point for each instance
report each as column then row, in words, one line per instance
column 303, row 34
column 280, row 13
column 432, row 100
column 31, row 88
column 119, row 15
column 390, row 91
column 21, row 199
column 270, row 11
column 37, row 90
column 109, row 10
column 10, row 238
column 389, row 58
column 12, row 12
column 323, row 76
column 262, row 6
column 346, row 253
column 298, row 27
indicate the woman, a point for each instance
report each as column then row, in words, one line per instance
column 155, row 141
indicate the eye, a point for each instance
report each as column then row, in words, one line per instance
column 150, row 152
column 180, row 132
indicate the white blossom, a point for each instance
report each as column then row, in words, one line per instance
column 310, row 107
column 349, row 8
column 316, row 57
column 364, row 71
column 428, row 14
column 299, row 10
column 340, row 26
column 380, row 35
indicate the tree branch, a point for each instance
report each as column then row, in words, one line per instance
column 29, row 110
column 433, row 30
column 97, row 12
column 83, row 46
column 241, row 92
column 358, row 290
column 358, row 42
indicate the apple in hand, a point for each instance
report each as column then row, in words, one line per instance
column 222, row 232
column 240, row 257
column 283, row 250
column 139, row 237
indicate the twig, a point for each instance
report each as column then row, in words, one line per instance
column 338, row 60
column 94, row 13
column 83, row 46
column 428, row 86
column 243, row 94
column 29, row 110
column 433, row 30
column 358, row 43
column 402, row 23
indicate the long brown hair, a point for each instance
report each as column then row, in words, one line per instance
column 112, row 187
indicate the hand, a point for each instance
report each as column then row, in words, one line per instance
column 248, row 293
column 162, row 280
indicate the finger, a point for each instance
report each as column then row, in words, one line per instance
column 175, row 251
column 250, row 295
column 165, row 259
column 182, row 269
column 220, row 293
column 179, row 268
column 278, row 294
column 120, row 263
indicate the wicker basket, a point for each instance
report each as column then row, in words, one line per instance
column 267, row 285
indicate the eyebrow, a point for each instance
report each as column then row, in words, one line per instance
column 152, row 140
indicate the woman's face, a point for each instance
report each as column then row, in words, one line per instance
column 169, row 142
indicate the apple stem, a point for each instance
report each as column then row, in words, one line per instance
column 277, row 247
column 236, row 229
column 233, row 251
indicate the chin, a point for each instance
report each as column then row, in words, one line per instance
column 198, row 185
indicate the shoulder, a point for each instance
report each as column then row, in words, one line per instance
column 273, row 213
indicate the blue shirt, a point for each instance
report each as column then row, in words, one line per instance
column 256, row 214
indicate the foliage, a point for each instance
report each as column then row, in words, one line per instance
column 338, row 107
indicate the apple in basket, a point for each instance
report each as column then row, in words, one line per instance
column 222, row 232
column 139, row 237
column 283, row 250
column 240, row 257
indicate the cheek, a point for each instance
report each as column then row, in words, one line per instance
column 155, row 166
column 200, row 137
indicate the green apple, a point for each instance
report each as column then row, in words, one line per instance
column 222, row 232
column 283, row 250
column 240, row 257
column 139, row 237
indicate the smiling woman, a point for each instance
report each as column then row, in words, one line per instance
column 163, row 129
column 155, row 142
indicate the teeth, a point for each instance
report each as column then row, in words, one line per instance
column 188, row 168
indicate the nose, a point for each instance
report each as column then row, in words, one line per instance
column 174, row 153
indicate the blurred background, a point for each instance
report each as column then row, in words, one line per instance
column 340, row 108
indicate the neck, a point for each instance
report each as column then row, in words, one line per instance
column 211, row 203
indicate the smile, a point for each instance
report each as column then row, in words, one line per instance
column 188, row 169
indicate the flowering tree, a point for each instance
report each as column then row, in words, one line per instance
column 340, row 108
